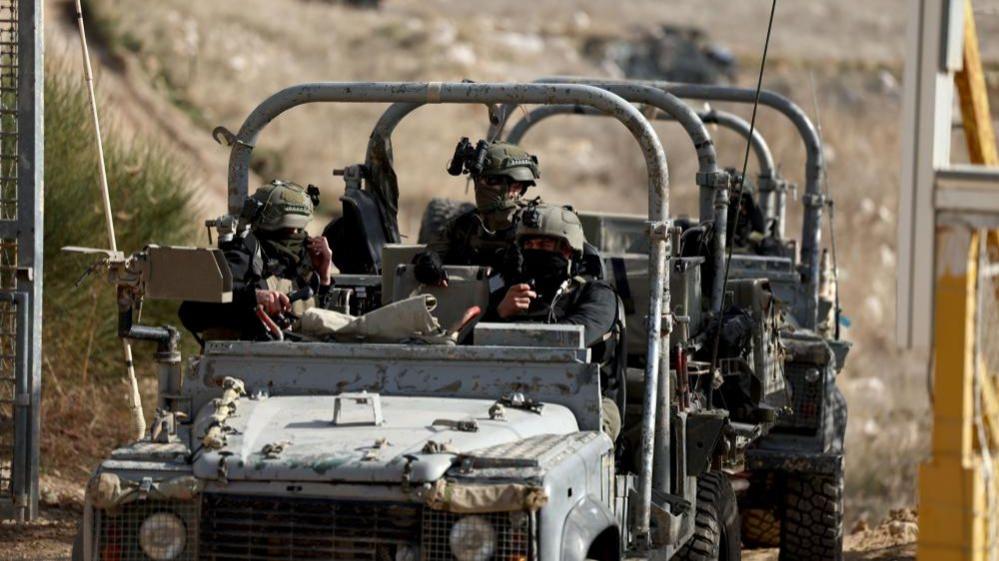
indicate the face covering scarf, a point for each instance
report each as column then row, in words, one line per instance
column 496, row 203
column 287, row 250
column 549, row 270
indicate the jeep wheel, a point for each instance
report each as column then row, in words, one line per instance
column 438, row 212
column 760, row 528
column 716, row 523
column 812, row 525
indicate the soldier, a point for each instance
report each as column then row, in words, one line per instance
column 272, row 262
column 502, row 173
column 545, row 286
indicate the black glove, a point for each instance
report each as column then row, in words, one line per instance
column 429, row 268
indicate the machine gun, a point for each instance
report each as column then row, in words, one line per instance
column 159, row 273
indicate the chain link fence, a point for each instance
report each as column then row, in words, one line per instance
column 8, row 192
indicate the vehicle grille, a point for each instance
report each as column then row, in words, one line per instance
column 513, row 532
column 806, row 400
column 277, row 528
column 117, row 537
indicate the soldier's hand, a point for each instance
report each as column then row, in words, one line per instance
column 274, row 302
column 517, row 300
column 428, row 268
column 322, row 258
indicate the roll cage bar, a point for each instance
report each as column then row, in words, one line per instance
column 768, row 174
column 713, row 181
column 414, row 94
column 813, row 199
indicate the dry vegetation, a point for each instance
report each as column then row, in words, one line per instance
column 81, row 413
column 210, row 62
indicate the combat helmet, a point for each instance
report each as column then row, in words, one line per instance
column 280, row 204
column 510, row 160
column 494, row 159
column 552, row 221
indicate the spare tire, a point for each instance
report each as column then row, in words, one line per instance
column 760, row 528
column 439, row 212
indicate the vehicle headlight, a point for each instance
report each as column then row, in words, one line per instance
column 472, row 538
column 163, row 536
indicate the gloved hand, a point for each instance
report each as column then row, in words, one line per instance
column 429, row 269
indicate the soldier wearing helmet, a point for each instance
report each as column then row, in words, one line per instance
column 544, row 286
column 272, row 261
column 547, row 288
column 502, row 173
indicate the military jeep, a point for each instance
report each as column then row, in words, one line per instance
column 791, row 474
column 402, row 450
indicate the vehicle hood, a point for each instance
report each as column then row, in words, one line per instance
column 293, row 438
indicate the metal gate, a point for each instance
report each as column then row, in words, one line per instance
column 21, row 227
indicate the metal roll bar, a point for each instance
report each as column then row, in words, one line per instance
column 813, row 198
column 768, row 180
column 761, row 149
column 658, row 322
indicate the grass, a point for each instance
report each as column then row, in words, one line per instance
column 83, row 399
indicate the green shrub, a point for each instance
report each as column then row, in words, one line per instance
column 82, row 356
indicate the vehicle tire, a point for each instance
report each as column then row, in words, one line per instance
column 438, row 212
column 812, row 523
column 716, row 522
column 760, row 528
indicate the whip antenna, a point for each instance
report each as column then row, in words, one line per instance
column 134, row 402
column 742, row 181
column 832, row 210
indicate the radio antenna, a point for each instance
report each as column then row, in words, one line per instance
column 742, row 181
column 134, row 401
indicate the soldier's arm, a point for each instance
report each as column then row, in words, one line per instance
column 595, row 310
column 245, row 277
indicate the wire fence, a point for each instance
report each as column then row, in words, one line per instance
column 9, row 77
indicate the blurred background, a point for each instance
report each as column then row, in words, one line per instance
column 169, row 71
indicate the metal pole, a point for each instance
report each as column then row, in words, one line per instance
column 24, row 225
column 21, row 480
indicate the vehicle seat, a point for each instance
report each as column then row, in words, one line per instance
column 629, row 275
column 592, row 263
column 357, row 236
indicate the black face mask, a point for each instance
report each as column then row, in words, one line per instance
column 548, row 268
